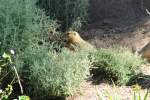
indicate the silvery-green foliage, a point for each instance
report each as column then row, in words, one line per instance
column 55, row 74
column 66, row 11
column 22, row 23
column 118, row 64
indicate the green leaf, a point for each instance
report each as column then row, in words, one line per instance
column 146, row 95
column 6, row 56
column 134, row 96
column 23, row 97
column 5, row 97
column 139, row 97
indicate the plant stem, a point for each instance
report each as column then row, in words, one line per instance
column 21, row 89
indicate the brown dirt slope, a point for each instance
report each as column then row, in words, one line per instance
column 135, row 36
column 120, row 23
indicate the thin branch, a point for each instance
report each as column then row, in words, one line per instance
column 18, row 79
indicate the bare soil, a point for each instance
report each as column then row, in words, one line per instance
column 89, row 91
column 107, row 34
column 123, row 23
column 135, row 36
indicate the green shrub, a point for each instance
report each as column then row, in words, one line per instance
column 54, row 74
column 76, row 25
column 5, row 72
column 117, row 64
column 9, row 74
column 22, row 23
column 66, row 11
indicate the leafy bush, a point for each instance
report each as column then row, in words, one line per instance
column 66, row 11
column 76, row 25
column 7, row 73
column 22, row 23
column 117, row 64
column 54, row 74
column 5, row 89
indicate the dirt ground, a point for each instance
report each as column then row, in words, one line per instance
column 104, row 91
column 134, row 37
column 123, row 23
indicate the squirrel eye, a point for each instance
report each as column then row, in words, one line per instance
column 67, row 33
column 74, row 33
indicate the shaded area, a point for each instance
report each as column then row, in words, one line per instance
column 109, row 17
column 120, row 12
column 99, row 76
column 142, row 80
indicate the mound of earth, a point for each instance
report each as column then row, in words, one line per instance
column 133, row 37
column 122, row 22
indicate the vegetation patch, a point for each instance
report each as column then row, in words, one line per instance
column 117, row 64
column 66, row 11
column 22, row 23
column 54, row 74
